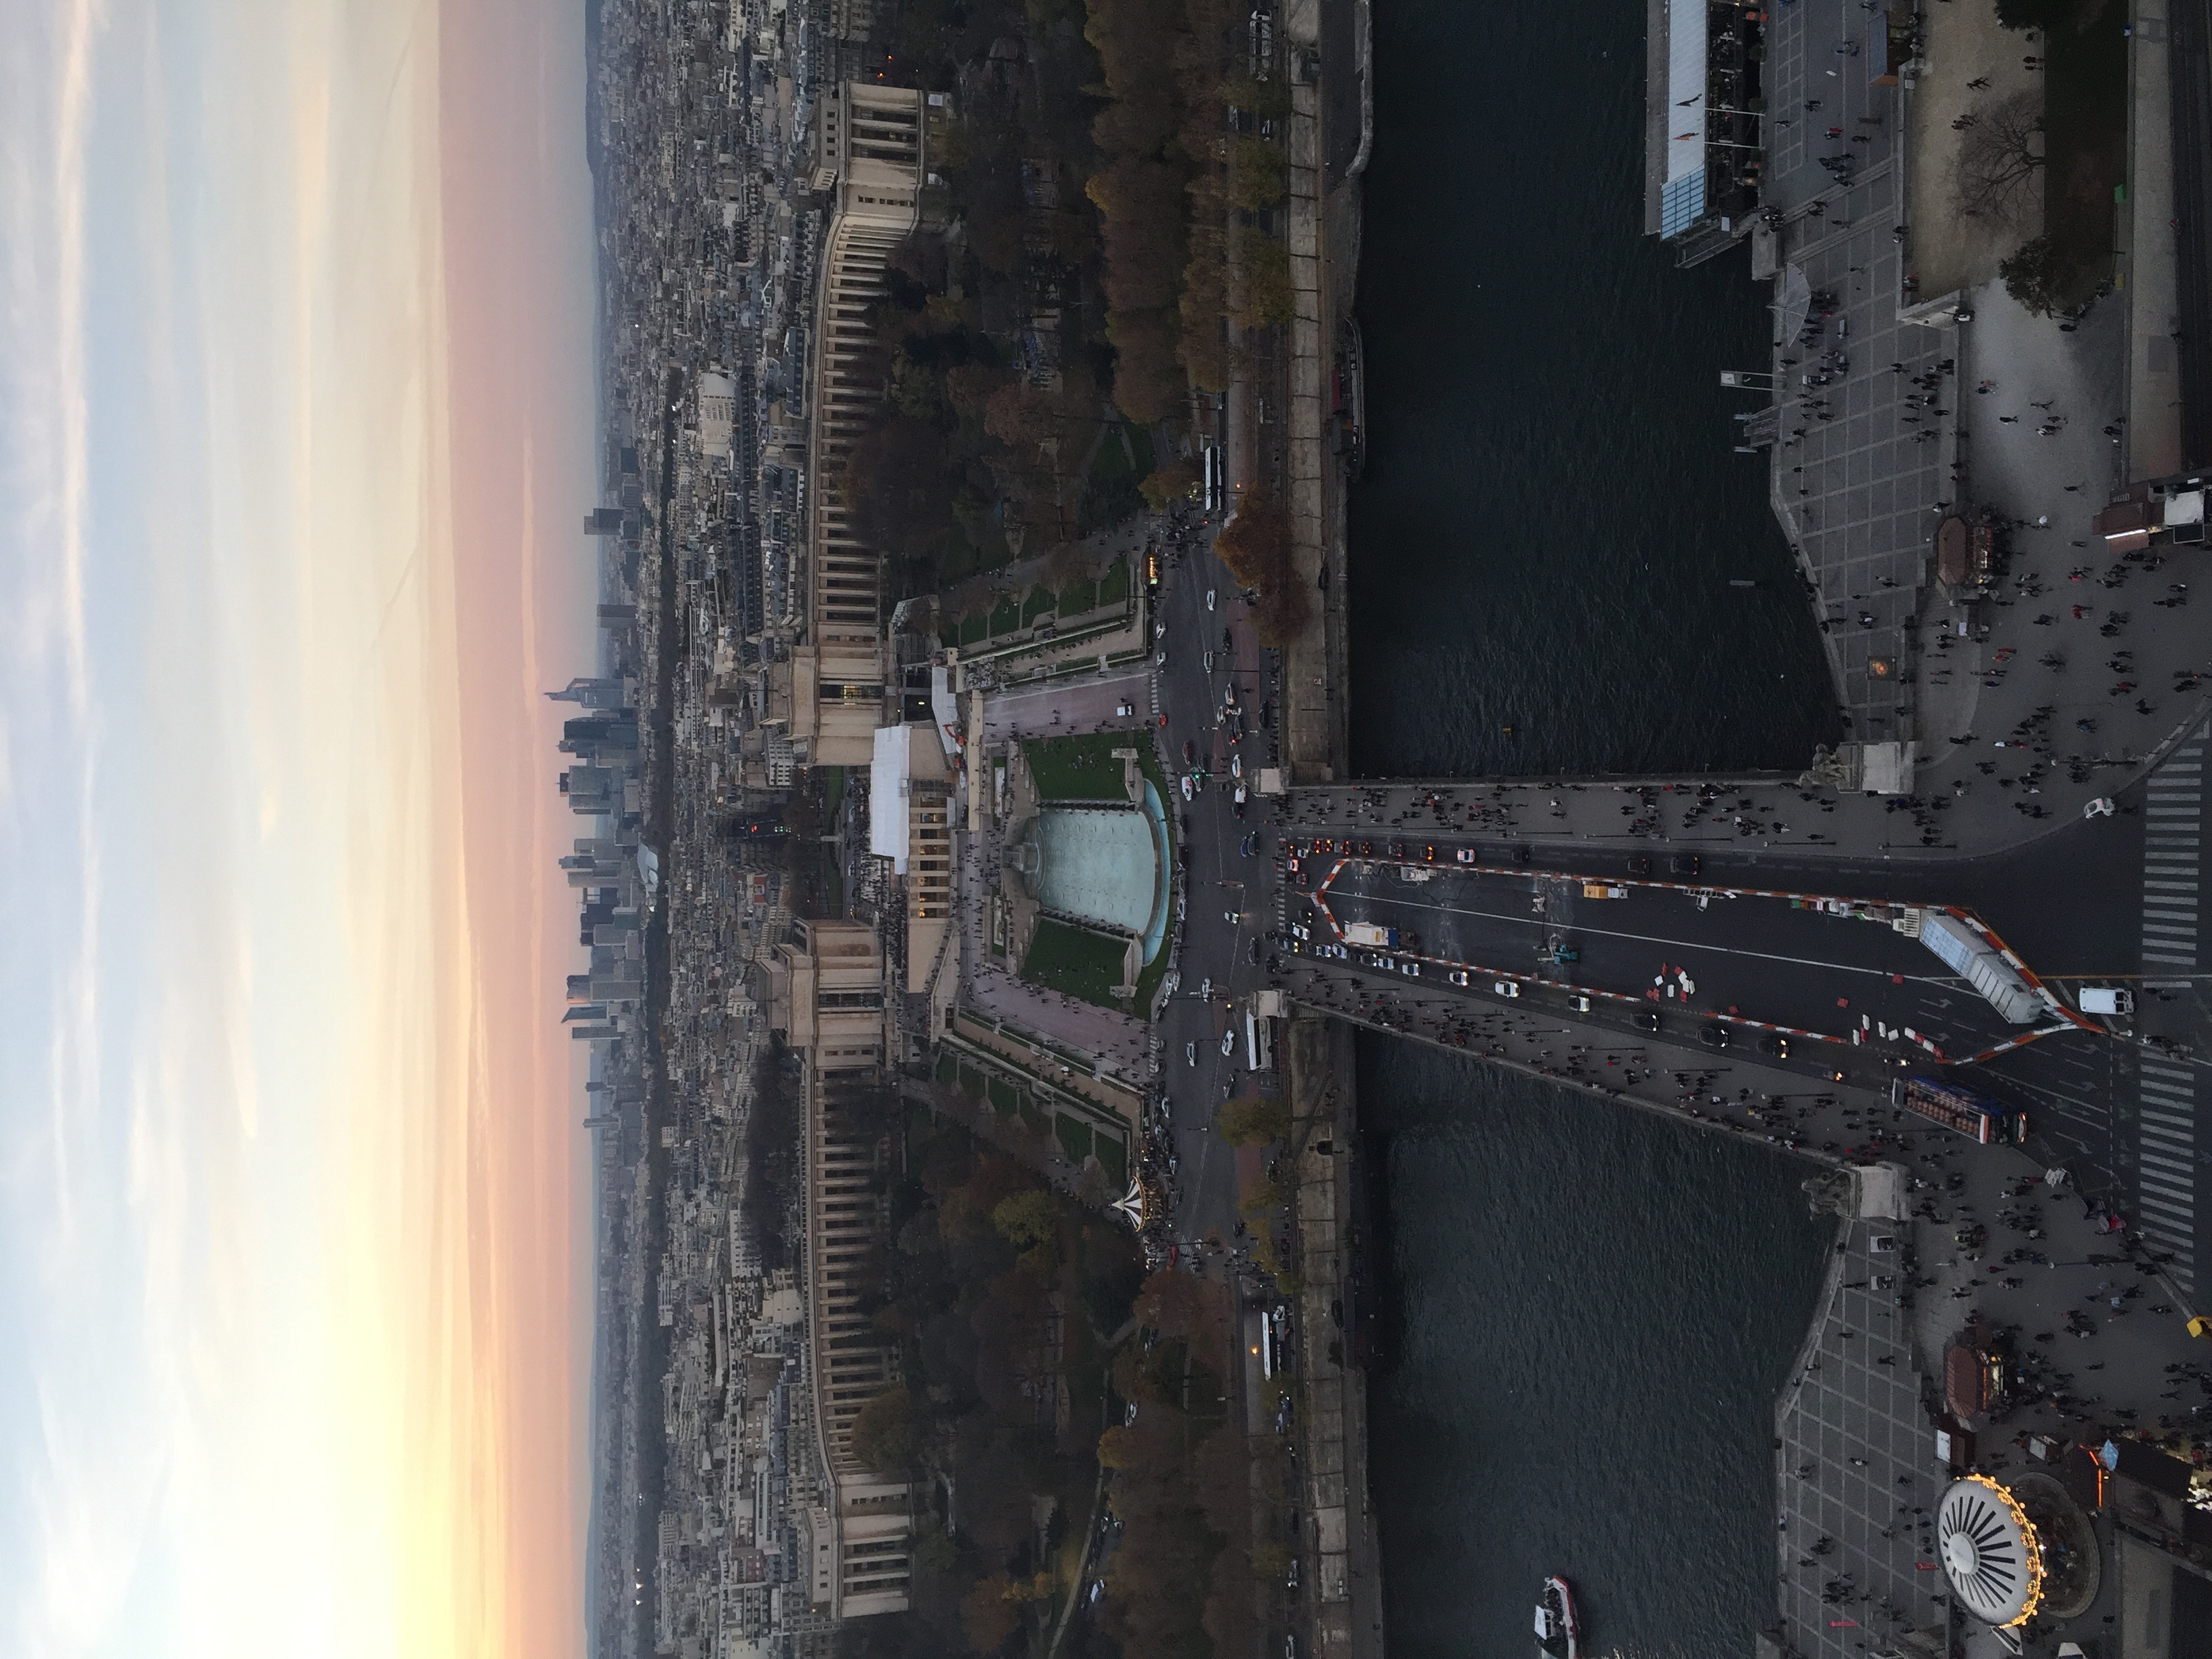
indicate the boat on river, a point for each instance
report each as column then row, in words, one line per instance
column 1558, row 1633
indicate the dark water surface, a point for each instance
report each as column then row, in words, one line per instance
column 1587, row 1312
column 1551, row 509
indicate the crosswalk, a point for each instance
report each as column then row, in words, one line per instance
column 2165, row 1150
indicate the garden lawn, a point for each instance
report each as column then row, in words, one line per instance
column 1080, row 768
column 1075, row 962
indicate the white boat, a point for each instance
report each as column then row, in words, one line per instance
column 1558, row 1633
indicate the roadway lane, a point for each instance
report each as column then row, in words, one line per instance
column 1851, row 977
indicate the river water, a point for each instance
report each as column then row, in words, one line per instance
column 1586, row 1313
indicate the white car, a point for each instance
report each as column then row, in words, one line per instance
column 1456, row 977
column 1506, row 987
column 1209, row 598
column 1209, row 662
column 1237, row 766
column 1125, row 709
column 1190, row 1053
column 1228, row 1042
column 1186, row 787
column 1581, row 1004
column 1465, row 855
column 1205, row 988
column 2099, row 808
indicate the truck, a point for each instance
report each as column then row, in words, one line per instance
column 2112, row 999
column 1367, row 933
column 1963, row 950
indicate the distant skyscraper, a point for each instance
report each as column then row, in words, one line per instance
column 604, row 522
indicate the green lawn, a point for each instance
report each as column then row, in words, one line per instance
column 1074, row 1137
column 1114, row 586
column 1006, row 616
column 1113, row 1158
column 1042, row 603
column 971, row 1082
column 1082, row 597
column 1074, row 962
column 1081, row 768
column 975, row 630
column 948, row 1067
column 1004, row 1097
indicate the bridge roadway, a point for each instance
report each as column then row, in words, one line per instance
column 1781, row 973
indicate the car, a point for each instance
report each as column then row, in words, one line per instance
column 1237, row 766
column 2101, row 807
column 1713, row 1036
column 1647, row 1019
column 1252, row 954
column 1456, row 976
column 1687, row 864
column 1580, row 1004
column 1209, row 662
column 1159, row 630
column 1291, row 1582
column 1190, row 1053
column 1412, row 968
column 1189, row 752
column 1397, row 849
column 1206, row 986
column 1429, row 854
column 1209, row 598
column 1160, row 658
column 1505, row 987
column 1639, row 865
column 1187, row 791
column 1774, row 1046
column 1228, row 1042
column 1123, row 710
column 1465, row 855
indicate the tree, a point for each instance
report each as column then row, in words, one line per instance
column 1264, row 297
column 898, row 482
column 1027, row 1218
column 2001, row 154
column 1259, row 174
column 1170, row 482
column 2033, row 276
column 1253, row 1121
column 1148, row 380
column 887, row 1434
column 989, row 1613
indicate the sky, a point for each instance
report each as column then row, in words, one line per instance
column 296, row 428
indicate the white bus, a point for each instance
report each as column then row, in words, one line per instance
column 1259, row 1043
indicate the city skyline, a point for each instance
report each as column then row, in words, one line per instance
column 297, row 401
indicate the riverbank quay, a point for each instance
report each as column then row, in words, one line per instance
column 1969, row 1298
column 1910, row 390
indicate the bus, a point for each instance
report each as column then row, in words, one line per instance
column 1259, row 1043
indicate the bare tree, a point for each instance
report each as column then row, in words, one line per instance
column 2001, row 156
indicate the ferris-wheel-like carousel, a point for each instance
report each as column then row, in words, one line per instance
column 2012, row 1553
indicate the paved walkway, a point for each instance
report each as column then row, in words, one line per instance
column 1856, row 1458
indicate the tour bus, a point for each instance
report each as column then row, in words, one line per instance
column 1209, row 461
column 1259, row 1043
column 1961, row 1110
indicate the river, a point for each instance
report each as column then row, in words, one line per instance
column 1586, row 1312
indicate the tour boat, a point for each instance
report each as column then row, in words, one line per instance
column 1557, row 1630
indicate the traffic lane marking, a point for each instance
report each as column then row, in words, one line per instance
column 1949, row 981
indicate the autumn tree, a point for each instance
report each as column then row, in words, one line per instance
column 1253, row 1121
column 887, row 1432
